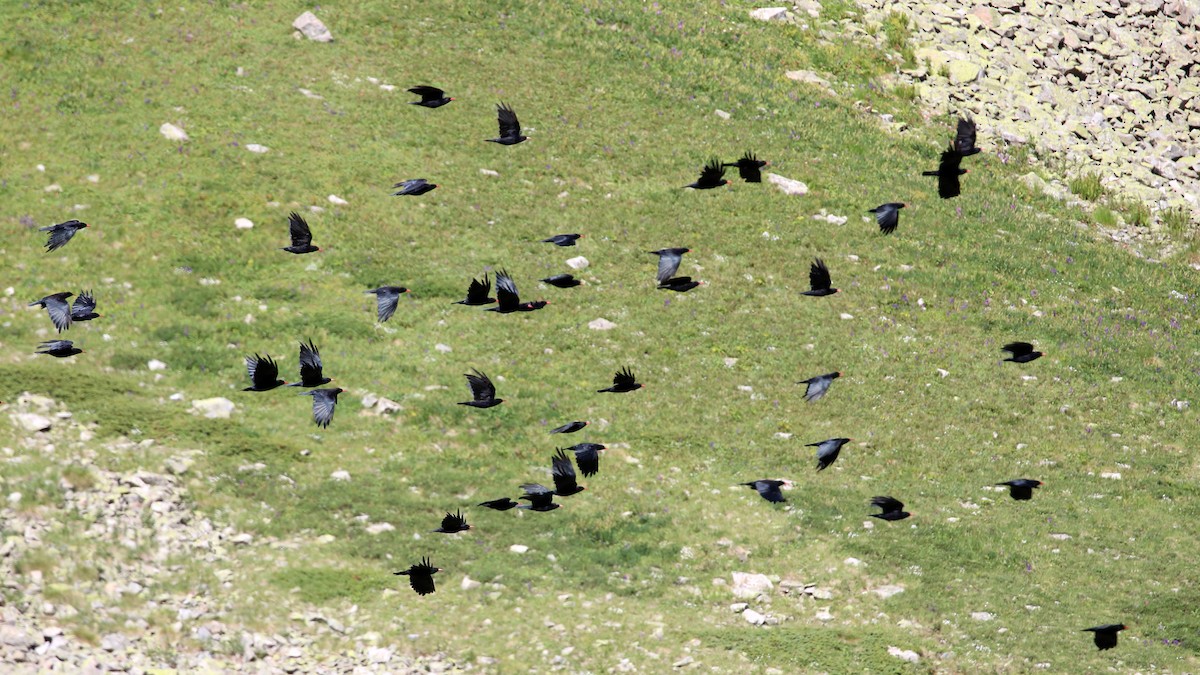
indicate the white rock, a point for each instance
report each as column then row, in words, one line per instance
column 852, row 562
column 53, row 187
column 32, row 422
column 753, row 618
column 214, row 408
column 846, row 317
column 601, row 324
column 730, row 362
column 309, row 94
column 982, row 616
column 888, row 591
column 255, row 147
column 489, row 172
column 340, row 475
column 747, row 586
column 518, row 548
column 243, row 224
column 770, row 14
column 336, row 200
column 943, row 373
column 155, row 364
column 904, row 654
column 379, row 528
column 578, row 263
column 15, row 498
column 172, row 132
column 445, row 349
column 1111, row 475
column 738, row 607
column 823, row 615
column 722, row 114
column 1060, row 536
column 379, row 655
column 787, row 186
column 312, row 28
column 469, row 584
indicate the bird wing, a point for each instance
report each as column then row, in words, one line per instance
column 624, row 377
column 482, row 388
column 386, row 301
column 427, row 93
column 84, row 304
column 60, row 234
column 563, row 473
column 888, row 504
column 668, row 264
column 506, row 291
column 310, row 363
column 509, row 125
column 750, row 168
column 478, row 291
column 59, row 311
column 409, row 186
column 323, row 404
column 769, row 489
column 817, row 386
column 587, row 457
column 301, row 235
column 818, row 276
column 537, row 494
column 888, row 218
column 964, row 140
column 712, row 173
column 57, row 345
column 1018, row 348
column 454, row 522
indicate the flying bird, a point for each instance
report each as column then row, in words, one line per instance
column 563, row 281
column 563, row 473
column 310, row 367
column 888, row 216
column 569, row 428
column 453, row 522
column 499, row 504
column 84, row 307
column 324, row 401
column 947, row 174
column 61, row 233
column 562, row 239
column 509, row 299
column 59, row 348
column 58, row 309
column 587, row 456
column 679, row 284
column 477, row 293
column 1022, row 352
column 540, row 498
column 623, row 381
column 301, row 235
column 668, row 262
column 387, row 298
column 510, row 127
column 768, row 489
column 412, row 187
column 821, row 284
column 420, row 576
column 483, row 392
column 1105, row 636
column 827, row 451
column 750, row 167
column 1021, row 488
column 264, row 373
column 964, row 139
column 891, row 508
column 713, row 175
column 431, row 97
column 817, row 386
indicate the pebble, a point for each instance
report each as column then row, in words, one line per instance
column 172, row 132
column 243, row 224
column 601, row 324
column 336, row 200
column 256, row 148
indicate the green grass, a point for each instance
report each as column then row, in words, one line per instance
column 1177, row 220
column 618, row 98
column 897, row 30
column 1087, row 185
column 1136, row 211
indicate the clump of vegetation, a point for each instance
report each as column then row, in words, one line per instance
column 1135, row 211
column 1087, row 185
column 897, row 31
column 1177, row 220
column 1104, row 217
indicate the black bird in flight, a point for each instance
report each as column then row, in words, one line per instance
column 61, row 233
column 819, row 281
column 1105, row 636
column 477, row 293
column 310, row 367
column 301, row 235
column 58, row 309
column 483, row 392
column 510, row 127
column 420, row 576
column 750, row 167
column 563, row 473
column 1022, row 352
column 540, row 498
column 891, row 508
column 768, row 489
column 412, row 187
column 84, row 307
column 562, row 239
column 712, row 176
column 387, row 298
column 623, row 381
column 817, row 386
column 964, row 139
column 947, row 174
column 827, row 451
column 562, row 281
column 453, row 522
column 499, row 504
column 59, row 348
column 509, row 299
column 264, row 373
column 1021, row 488
column 888, row 216
column 587, row 456
column 668, row 262
column 569, row 428
column 679, row 284
column 431, row 97
column 324, row 401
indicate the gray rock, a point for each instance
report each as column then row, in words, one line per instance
column 311, row 27
column 172, row 132
column 747, row 586
column 214, row 408
column 32, row 422
column 787, row 186
column 754, row 618
column 12, row 636
column 770, row 14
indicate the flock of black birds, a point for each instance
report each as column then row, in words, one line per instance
column 264, row 371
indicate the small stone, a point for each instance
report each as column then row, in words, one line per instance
column 823, row 615
column 53, row 187
column 770, row 14
column 601, row 324
column 469, row 584
column 32, row 422
column 754, row 618
column 982, row 616
column 255, row 147
column 214, row 408
column 963, row 72
column 738, row 607
column 578, row 263
column 243, row 224
column 379, row 655
column 311, row 27
column 172, row 132
column 518, row 548
column 489, row 172
column 336, row 200
column 888, row 591
column 340, row 475
column 852, row 562
column 747, row 586
column 904, row 654
column 722, row 114
column 787, row 186
column 1111, row 475
column 11, row 636
column 155, row 364
column 379, row 528
column 845, row 317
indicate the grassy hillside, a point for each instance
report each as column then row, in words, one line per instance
column 618, row 98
